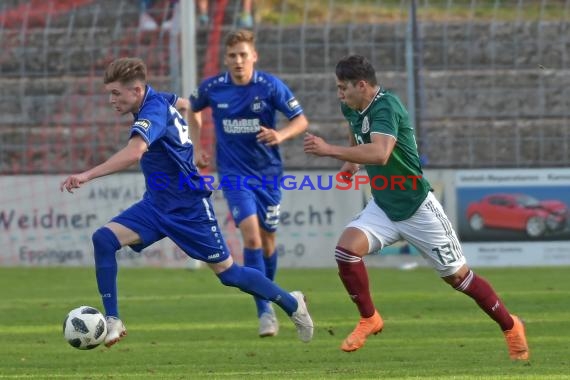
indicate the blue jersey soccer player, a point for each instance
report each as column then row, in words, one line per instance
column 180, row 210
column 244, row 104
column 382, row 138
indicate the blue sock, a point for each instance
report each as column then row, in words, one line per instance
column 106, row 246
column 255, row 283
column 270, row 265
column 253, row 258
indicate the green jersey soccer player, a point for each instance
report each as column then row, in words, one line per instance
column 403, row 207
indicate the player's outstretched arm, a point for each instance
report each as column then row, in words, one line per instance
column 376, row 153
column 349, row 168
column 121, row 160
column 295, row 127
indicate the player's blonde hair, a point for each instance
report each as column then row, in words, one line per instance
column 125, row 71
column 241, row 35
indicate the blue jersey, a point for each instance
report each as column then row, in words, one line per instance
column 172, row 179
column 238, row 113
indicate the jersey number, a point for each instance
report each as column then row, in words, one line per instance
column 446, row 254
column 180, row 124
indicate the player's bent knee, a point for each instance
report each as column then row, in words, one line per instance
column 343, row 255
column 105, row 241
column 355, row 240
column 252, row 243
column 461, row 279
column 231, row 276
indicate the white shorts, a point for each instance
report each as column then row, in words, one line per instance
column 429, row 230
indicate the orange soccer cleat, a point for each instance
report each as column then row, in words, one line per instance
column 516, row 340
column 365, row 328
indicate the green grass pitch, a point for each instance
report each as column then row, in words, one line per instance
column 184, row 324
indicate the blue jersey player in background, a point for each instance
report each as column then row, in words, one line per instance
column 171, row 207
column 244, row 104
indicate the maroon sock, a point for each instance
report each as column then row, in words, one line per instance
column 353, row 275
column 477, row 288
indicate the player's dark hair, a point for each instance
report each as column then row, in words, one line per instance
column 354, row 68
column 125, row 70
column 241, row 35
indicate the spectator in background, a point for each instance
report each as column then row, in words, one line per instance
column 245, row 19
column 203, row 16
column 148, row 23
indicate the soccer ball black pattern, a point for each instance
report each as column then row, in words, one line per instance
column 84, row 328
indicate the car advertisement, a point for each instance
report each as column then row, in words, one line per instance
column 501, row 213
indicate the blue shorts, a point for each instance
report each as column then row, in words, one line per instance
column 263, row 202
column 194, row 230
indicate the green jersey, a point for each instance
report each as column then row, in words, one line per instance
column 398, row 187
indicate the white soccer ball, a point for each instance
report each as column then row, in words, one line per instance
column 84, row 328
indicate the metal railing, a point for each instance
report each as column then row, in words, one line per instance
column 494, row 75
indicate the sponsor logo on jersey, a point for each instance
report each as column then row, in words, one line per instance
column 293, row 103
column 223, row 105
column 236, row 126
column 365, row 125
column 235, row 212
column 142, row 123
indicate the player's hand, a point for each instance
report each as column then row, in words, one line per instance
column 201, row 159
column 74, row 181
column 269, row 137
column 315, row 145
column 348, row 170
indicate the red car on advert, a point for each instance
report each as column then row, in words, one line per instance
column 519, row 212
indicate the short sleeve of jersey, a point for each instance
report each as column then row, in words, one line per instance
column 284, row 100
column 384, row 120
column 170, row 98
column 150, row 123
column 199, row 97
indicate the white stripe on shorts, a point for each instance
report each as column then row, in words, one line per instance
column 448, row 228
column 207, row 209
